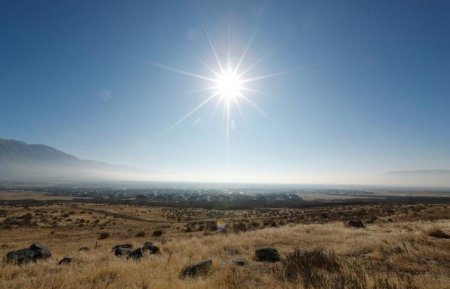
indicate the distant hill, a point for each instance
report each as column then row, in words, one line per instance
column 20, row 162
column 419, row 173
column 432, row 178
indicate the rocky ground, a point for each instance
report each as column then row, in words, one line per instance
column 79, row 245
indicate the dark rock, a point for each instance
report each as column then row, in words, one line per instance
column 121, row 251
column 40, row 252
column 157, row 233
column 239, row 262
column 136, row 254
column 20, row 257
column 65, row 261
column 32, row 254
column 148, row 246
column 211, row 226
column 103, row 235
column 267, row 255
column 126, row 246
column 198, row 269
column 355, row 223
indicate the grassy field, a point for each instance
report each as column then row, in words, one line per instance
column 401, row 247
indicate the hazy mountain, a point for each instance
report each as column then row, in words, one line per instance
column 20, row 161
column 419, row 173
column 432, row 178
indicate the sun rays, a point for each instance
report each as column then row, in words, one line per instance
column 227, row 84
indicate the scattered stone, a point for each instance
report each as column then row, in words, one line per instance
column 103, row 235
column 32, row 254
column 136, row 254
column 239, row 262
column 211, row 226
column 198, row 269
column 65, row 261
column 140, row 234
column 20, row 257
column 148, row 246
column 127, row 246
column 121, row 251
column 356, row 223
column 267, row 255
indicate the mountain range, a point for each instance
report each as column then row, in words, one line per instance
column 28, row 163
column 22, row 162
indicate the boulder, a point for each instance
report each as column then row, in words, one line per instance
column 32, row 254
column 121, row 251
column 148, row 246
column 356, row 223
column 20, row 257
column 40, row 252
column 267, row 255
column 129, row 246
column 198, row 269
column 136, row 254
column 65, row 261
column 239, row 262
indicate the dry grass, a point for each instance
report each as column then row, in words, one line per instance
column 385, row 255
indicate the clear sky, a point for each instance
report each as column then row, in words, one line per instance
column 366, row 88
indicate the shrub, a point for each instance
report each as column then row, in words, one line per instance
column 140, row 234
column 103, row 235
column 302, row 264
column 438, row 233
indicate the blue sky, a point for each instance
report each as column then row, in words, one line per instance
column 368, row 87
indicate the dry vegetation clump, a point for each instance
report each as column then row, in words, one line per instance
column 438, row 233
column 303, row 264
column 320, row 269
column 140, row 234
column 103, row 235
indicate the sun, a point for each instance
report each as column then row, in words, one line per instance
column 229, row 86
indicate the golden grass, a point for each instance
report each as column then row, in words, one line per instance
column 398, row 247
column 403, row 253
